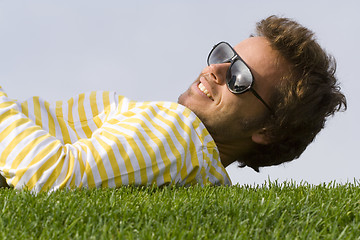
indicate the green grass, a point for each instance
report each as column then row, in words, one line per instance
column 271, row 211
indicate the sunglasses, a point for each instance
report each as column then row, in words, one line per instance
column 239, row 78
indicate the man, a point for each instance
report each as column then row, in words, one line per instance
column 260, row 103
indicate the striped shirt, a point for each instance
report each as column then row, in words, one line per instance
column 101, row 139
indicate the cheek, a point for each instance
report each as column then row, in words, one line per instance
column 241, row 113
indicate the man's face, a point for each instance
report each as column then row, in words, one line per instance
column 228, row 116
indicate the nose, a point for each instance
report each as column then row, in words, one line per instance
column 218, row 71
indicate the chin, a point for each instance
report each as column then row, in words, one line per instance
column 180, row 99
column 183, row 99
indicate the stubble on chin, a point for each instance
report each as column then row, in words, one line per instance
column 182, row 99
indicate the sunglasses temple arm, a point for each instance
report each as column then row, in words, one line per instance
column 262, row 100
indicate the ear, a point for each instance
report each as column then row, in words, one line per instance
column 260, row 137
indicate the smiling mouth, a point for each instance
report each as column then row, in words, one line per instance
column 204, row 90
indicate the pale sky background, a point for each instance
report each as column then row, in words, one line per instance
column 153, row 50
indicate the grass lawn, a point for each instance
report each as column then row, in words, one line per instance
column 271, row 211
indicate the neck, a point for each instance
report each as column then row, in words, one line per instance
column 229, row 153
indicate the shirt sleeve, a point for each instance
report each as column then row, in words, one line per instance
column 32, row 158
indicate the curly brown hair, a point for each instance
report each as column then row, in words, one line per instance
column 304, row 99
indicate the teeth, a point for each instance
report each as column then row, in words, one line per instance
column 204, row 90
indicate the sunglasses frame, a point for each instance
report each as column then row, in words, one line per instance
column 232, row 60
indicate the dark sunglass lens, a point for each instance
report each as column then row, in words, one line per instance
column 239, row 77
column 220, row 54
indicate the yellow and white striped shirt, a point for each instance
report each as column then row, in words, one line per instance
column 100, row 139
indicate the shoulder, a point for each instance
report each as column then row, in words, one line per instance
column 174, row 112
